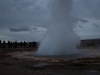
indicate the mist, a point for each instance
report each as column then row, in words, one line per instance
column 60, row 38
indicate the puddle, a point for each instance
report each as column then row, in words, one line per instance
column 41, row 64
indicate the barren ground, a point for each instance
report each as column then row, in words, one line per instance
column 16, row 62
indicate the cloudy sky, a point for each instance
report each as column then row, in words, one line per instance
column 27, row 19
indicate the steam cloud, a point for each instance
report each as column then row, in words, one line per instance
column 60, row 38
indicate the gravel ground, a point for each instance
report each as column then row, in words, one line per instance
column 16, row 62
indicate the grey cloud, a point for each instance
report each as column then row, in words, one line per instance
column 94, row 8
column 16, row 12
column 27, row 29
column 19, row 29
column 83, row 20
column 81, row 26
column 87, row 8
column 96, row 25
column 15, row 15
column 80, row 19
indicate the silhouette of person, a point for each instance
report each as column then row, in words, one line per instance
column 8, row 44
column 15, row 44
column 24, row 44
column 34, row 44
column 0, row 42
column 21, row 44
column 11, row 44
column 4, row 44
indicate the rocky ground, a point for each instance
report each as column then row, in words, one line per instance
column 17, row 62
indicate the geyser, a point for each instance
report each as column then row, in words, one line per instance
column 60, row 38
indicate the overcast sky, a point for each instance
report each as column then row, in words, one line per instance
column 27, row 19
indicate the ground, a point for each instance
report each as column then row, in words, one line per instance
column 17, row 62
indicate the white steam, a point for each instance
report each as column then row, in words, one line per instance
column 60, row 38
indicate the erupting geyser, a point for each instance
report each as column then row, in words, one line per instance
column 60, row 38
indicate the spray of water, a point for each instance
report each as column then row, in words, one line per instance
column 60, row 38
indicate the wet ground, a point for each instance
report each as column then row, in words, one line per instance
column 18, row 62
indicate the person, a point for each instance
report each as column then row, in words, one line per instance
column 11, row 44
column 27, row 44
column 15, row 44
column 30, row 44
column 4, row 44
column 34, row 44
column 21, row 44
column 24, row 44
column 8, row 44
column 0, row 42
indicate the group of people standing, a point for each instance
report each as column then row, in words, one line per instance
column 16, row 44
